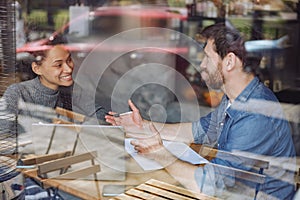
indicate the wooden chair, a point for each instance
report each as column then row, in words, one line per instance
column 258, row 178
column 56, row 165
column 34, row 160
column 63, row 163
column 73, row 119
column 210, row 153
column 66, row 164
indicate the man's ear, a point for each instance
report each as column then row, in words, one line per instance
column 230, row 61
column 36, row 68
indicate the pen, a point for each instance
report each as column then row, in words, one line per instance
column 121, row 114
column 125, row 113
column 118, row 115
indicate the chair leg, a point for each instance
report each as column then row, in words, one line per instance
column 256, row 191
column 51, row 139
column 75, row 144
column 261, row 171
column 203, row 180
column 72, row 153
column 55, row 195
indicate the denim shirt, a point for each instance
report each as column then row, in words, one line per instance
column 253, row 123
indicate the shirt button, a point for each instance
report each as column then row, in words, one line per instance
column 221, row 124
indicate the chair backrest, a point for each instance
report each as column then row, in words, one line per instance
column 258, row 178
column 238, row 173
column 76, row 117
column 34, row 160
column 65, row 162
column 222, row 170
column 60, row 162
column 72, row 118
column 256, row 163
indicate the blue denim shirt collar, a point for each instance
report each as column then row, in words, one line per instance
column 243, row 97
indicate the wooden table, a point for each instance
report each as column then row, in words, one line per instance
column 90, row 189
column 154, row 189
column 87, row 189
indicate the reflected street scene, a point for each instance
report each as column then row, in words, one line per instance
column 130, row 99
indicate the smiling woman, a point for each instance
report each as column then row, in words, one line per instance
column 30, row 101
column 54, row 67
column 33, row 101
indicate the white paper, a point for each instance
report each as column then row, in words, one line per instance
column 178, row 149
column 184, row 152
column 145, row 163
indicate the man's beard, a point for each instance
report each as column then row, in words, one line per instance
column 216, row 80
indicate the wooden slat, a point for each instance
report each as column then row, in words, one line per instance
column 80, row 173
column 71, row 125
column 163, row 193
column 246, row 175
column 61, row 121
column 125, row 197
column 64, row 162
column 154, row 189
column 211, row 152
column 177, row 189
column 143, row 195
column 70, row 114
column 45, row 158
column 24, row 143
column 5, row 145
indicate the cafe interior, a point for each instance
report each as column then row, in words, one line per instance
column 149, row 52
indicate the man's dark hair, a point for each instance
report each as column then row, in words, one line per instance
column 226, row 40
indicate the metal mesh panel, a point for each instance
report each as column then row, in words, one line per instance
column 8, row 140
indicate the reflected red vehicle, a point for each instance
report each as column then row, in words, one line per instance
column 84, row 32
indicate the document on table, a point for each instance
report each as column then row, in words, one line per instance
column 178, row 149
